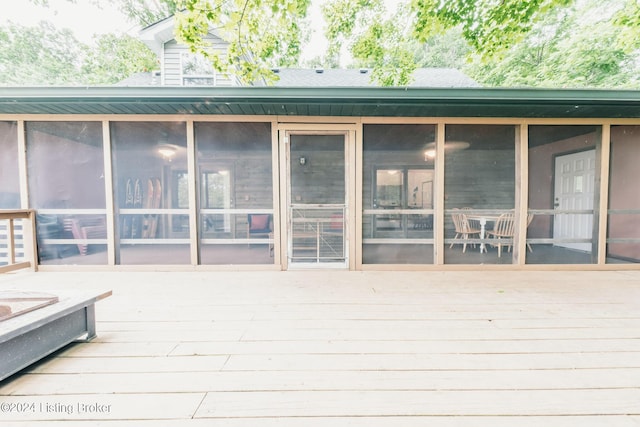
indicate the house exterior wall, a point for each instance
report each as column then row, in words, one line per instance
column 624, row 194
column 9, row 177
column 172, row 67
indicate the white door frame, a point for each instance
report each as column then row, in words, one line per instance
column 349, row 132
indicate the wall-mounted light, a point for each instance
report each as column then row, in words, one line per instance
column 302, row 160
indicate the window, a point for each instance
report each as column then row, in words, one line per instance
column 403, row 188
column 197, row 70
column 216, row 194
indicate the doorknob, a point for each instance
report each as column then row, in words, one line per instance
column 555, row 205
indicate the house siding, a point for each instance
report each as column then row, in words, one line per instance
column 172, row 68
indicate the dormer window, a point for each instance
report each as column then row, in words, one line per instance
column 197, row 71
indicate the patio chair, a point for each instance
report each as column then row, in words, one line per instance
column 529, row 219
column 473, row 223
column 86, row 228
column 503, row 232
column 463, row 229
column 260, row 225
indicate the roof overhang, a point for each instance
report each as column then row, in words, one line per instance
column 156, row 35
column 365, row 102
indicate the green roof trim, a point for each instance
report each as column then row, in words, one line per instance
column 384, row 102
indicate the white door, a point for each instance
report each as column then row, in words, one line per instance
column 574, row 190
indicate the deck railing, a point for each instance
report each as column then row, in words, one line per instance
column 17, row 240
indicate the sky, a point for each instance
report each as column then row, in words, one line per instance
column 83, row 18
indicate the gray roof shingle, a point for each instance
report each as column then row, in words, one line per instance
column 422, row 77
column 308, row 77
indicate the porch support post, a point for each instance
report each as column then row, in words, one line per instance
column 439, row 196
column 283, row 144
column 597, row 187
column 601, row 212
column 359, row 203
column 352, row 198
column 278, row 185
column 522, row 194
column 29, row 229
column 22, row 165
column 194, row 207
column 113, row 250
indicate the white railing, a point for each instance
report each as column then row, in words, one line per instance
column 317, row 233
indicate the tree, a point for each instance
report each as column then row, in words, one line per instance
column 44, row 55
column 446, row 50
column 512, row 42
column 384, row 38
column 41, row 55
column 115, row 58
column 260, row 34
column 627, row 18
column 489, row 26
column 576, row 48
column 557, row 43
column 147, row 12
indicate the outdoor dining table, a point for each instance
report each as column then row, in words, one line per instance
column 483, row 219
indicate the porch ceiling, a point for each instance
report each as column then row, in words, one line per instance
column 368, row 102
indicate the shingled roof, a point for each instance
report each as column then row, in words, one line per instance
column 422, row 77
column 309, row 77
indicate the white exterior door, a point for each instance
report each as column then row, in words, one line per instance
column 574, row 191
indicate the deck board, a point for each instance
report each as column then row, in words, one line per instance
column 415, row 403
column 329, row 348
column 357, row 380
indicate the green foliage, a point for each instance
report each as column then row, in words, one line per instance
column 577, row 48
column 44, row 55
column 375, row 38
column 553, row 43
column 116, row 58
column 343, row 17
column 261, row 34
column 490, row 26
column 446, row 50
column 147, row 12
column 39, row 55
column 628, row 20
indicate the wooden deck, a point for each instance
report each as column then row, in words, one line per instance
column 335, row 348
